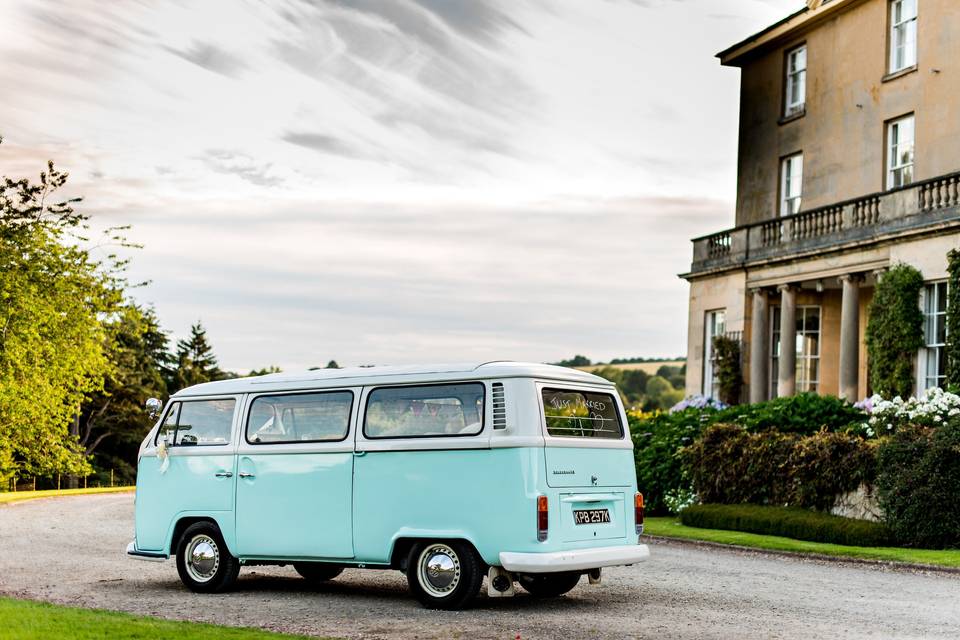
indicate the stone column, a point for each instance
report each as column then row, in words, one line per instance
column 759, row 341
column 787, row 367
column 850, row 337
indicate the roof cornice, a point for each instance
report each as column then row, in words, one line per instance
column 790, row 27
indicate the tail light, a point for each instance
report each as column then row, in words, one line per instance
column 638, row 511
column 543, row 518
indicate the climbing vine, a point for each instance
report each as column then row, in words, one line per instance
column 953, row 318
column 895, row 331
column 726, row 353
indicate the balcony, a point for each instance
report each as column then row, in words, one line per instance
column 922, row 207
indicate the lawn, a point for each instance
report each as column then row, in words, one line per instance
column 26, row 620
column 671, row 528
column 17, row 496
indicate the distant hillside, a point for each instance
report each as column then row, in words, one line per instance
column 649, row 367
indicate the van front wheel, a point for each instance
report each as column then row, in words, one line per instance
column 548, row 585
column 444, row 575
column 203, row 560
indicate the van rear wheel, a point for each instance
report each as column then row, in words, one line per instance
column 444, row 575
column 317, row 571
column 203, row 560
column 548, row 585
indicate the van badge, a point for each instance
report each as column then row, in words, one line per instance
column 564, row 472
column 594, row 480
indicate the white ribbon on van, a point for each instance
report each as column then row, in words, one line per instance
column 163, row 455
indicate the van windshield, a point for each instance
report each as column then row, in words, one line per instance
column 581, row 414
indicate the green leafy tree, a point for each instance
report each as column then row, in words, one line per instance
column 575, row 361
column 194, row 362
column 264, row 372
column 113, row 420
column 895, row 331
column 53, row 293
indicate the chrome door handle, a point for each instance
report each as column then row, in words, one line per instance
column 244, row 474
column 224, row 474
column 359, row 454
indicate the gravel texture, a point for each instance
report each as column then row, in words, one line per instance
column 71, row 551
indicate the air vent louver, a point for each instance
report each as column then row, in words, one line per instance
column 499, row 407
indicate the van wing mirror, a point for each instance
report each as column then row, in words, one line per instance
column 153, row 407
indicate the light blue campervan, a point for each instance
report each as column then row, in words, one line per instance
column 521, row 472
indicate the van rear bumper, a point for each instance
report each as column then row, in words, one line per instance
column 135, row 553
column 574, row 560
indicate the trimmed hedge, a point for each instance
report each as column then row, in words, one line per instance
column 730, row 465
column 805, row 413
column 789, row 522
column 919, row 483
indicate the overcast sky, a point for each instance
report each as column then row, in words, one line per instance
column 392, row 181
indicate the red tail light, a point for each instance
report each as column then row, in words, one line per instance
column 638, row 512
column 543, row 518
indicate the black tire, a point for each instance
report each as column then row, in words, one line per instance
column 203, row 560
column 317, row 571
column 444, row 575
column 548, row 585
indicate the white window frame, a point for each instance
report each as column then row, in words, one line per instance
column 796, row 81
column 933, row 350
column 903, row 35
column 791, row 184
column 804, row 381
column 900, row 170
column 714, row 325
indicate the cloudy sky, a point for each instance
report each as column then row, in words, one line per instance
column 392, row 181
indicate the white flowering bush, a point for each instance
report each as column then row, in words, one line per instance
column 932, row 409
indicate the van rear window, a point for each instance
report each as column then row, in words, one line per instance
column 425, row 411
column 581, row 414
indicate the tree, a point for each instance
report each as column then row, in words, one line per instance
column 333, row 365
column 264, row 372
column 895, row 331
column 194, row 361
column 53, row 294
column 114, row 420
column 953, row 319
column 575, row 361
column 727, row 362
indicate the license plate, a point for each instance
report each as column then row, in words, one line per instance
column 591, row 516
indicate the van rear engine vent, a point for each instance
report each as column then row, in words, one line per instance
column 499, row 407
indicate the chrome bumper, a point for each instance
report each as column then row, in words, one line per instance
column 149, row 556
column 574, row 560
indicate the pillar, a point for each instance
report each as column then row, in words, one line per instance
column 850, row 337
column 787, row 369
column 759, row 344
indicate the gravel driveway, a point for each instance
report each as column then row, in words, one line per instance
column 71, row 551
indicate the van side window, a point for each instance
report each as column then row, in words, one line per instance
column 200, row 423
column 581, row 414
column 425, row 411
column 302, row 417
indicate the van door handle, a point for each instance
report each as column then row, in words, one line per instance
column 244, row 474
column 359, row 454
column 224, row 474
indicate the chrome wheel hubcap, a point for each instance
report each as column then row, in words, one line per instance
column 202, row 558
column 439, row 570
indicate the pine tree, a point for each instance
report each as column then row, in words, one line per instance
column 194, row 361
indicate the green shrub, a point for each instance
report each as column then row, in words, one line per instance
column 805, row 413
column 657, row 440
column 789, row 522
column 730, row 465
column 729, row 376
column 953, row 318
column 895, row 331
column 919, row 482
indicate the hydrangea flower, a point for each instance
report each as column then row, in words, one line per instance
column 697, row 402
column 931, row 409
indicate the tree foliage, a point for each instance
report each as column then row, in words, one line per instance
column 53, row 295
column 895, row 331
column 953, row 318
column 727, row 369
column 194, row 361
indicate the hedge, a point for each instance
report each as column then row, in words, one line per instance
column 730, row 465
column 789, row 522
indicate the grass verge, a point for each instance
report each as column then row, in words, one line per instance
column 18, row 496
column 671, row 528
column 26, row 620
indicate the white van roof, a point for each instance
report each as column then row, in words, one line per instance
column 366, row 376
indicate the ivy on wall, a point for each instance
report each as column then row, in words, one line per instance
column 953, row 318
column 895, row 331
column 726, row 353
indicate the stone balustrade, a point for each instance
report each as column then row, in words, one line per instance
column 909, row 209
